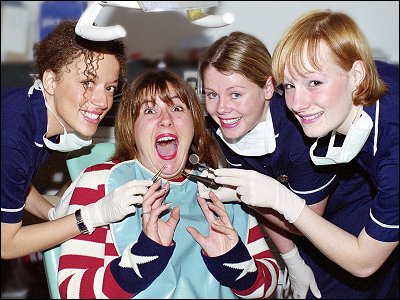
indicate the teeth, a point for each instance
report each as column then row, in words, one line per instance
column 91, row 115
column 312, row 117
column 230, row 121
column 165, row 139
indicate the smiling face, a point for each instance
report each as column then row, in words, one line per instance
column 234, row 102
column 322, row 100
column 79, row 103
column 164, row 133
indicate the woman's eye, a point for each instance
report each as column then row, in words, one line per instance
column 315, row 83
column 112, row 89
column 149, row 111
column 288, row 86
column 177, row 108
column 236, row 95
column 212, row 95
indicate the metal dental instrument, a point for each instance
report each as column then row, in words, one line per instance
column 157, row 175
column 208, row 182
column 194, row 160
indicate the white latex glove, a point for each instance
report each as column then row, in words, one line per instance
column 300, row 274
column 225, row 194
column 116, row 205
column 60, row 210
column 259, row 190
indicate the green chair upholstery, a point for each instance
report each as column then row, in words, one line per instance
column 77, row 161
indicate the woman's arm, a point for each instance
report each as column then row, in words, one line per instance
column 18, row 240
column 36, row 204
column 361, row 255
column 278, row 229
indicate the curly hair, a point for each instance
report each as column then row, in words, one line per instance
column 62, row 46
column 148, row 86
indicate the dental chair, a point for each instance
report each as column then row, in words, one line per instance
column 77, row 161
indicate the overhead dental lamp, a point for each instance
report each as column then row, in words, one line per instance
column 87, row 29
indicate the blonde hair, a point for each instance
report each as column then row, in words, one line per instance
column 346, row 42
column 240, row 53
column 144, row 89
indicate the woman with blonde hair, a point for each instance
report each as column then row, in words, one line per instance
column 350, row 104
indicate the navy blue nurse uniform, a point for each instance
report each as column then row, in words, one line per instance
column 23, row 124
column 367, row 197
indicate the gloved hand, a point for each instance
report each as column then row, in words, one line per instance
column 259, row 190
column 116, row 205
column 60, row 210
column 225, row 194
column 300, row 274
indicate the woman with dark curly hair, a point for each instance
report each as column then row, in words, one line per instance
column 73, row 91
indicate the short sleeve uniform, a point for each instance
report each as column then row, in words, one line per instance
column 23, row 124
column 367, row 197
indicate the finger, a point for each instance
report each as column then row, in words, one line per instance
column 128, row 210
column 315, row 290
column 155, row 212
column 203, row 191
column 230, row 172
column 138, row 182
column 226, row 194
column 136, row 200
column 174, row 217
column 206, row 211
column 230, row 233
column 151, row 213
column 136, row 190
column 156, row 185
column 215, row 199
column 197, row 236
column 211, row 170
column 228, row 180
column 155, row 188
column 149, row 200
column 221, row 213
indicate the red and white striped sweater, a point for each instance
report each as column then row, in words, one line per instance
column 90, row 265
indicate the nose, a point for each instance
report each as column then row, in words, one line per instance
column 224, row 106
column 100, row 98
column 165, row 118
column 297, row 101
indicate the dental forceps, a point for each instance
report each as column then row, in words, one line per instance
column 208, row 182
column 157, row 175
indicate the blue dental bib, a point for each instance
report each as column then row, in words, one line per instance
column 186, row 276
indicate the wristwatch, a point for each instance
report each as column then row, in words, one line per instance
column 79, row 221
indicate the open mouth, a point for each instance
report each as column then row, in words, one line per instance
column 167, row 146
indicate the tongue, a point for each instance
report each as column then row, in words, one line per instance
column 166, row 149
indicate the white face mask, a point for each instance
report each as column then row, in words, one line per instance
column 68, row 141
column 258, row 141
column 353, row 143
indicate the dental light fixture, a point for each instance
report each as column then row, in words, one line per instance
column 87, row 29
